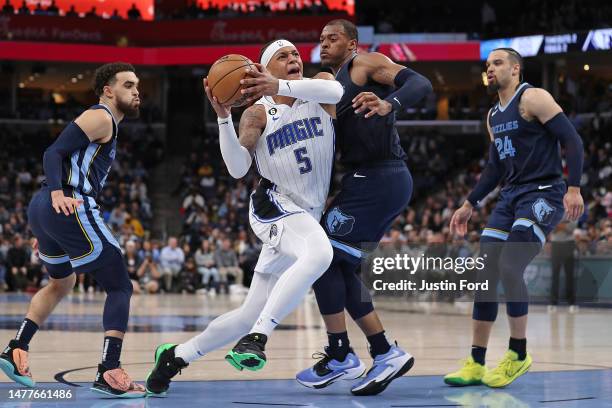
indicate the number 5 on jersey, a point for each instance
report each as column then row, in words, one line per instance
column 303, row 160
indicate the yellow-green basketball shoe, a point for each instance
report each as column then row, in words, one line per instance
column 471, row 373
column 509, row 369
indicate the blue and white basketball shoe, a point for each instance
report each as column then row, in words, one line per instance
column 386, row 368
column 327, row 370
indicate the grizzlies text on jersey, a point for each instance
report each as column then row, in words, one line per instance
column 527, row 151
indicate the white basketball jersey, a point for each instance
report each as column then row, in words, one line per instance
column 296, row 150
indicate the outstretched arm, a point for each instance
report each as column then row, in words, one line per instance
column 411, row 86
column 322, row 89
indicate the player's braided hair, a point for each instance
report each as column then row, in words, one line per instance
column 105, row 75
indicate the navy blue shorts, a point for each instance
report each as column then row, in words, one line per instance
column 77, row 242
column 370, row 199
column 522, row 206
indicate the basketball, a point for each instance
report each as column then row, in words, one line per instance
column 224, row 79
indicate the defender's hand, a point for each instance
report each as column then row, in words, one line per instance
column 222, row 111
column 573, row 203
column 369, row 100
column 262, row 83
column 458, row 223
column 64, row 204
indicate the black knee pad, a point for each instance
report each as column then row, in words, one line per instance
column 113, row 277
column 358, row 298
column 330, row 290
column 485, row 311
column 522, row 247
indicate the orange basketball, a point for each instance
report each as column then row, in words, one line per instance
column 224, row 79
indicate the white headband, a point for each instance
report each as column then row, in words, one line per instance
column 272, row 49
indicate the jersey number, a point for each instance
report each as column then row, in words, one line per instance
column 505, row 148
column 303, row 160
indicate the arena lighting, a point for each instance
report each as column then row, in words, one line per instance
column 586, row 67
column 530, row 46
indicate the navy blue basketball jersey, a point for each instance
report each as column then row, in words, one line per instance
column 86, row 169
column 527, row 151
column 362, row 140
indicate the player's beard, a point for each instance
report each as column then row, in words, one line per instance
column 493, row 88
column 128, row 109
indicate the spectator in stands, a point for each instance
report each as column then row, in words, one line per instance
column 8, row 8
column 148, row 272
column 24, row 10
column 136, row 225
column 92, row 13
column 563, row 257
column 487, row 17
column 17, row 262
column 189, row 280
column 131, row 261
column 117, row 217
column 52, row 10
column 172, row 260
column 134, row 13
column 205, row 262
column 115, row 15
column 35, row 268
column 227, row 262
column 72, row 12
column 38, row 10
column 3, row 285
column 193, row 201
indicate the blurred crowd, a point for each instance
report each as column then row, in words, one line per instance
column 479, row 18
column 52, row 10
column 484, row 18
column 43, row 106
column 577, row 94
column 426, row 221
column 261, row 8
column 194, row 10
column 216, row 251
column 125, row 202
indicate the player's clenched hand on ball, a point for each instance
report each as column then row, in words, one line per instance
column 221, row 110
column 262, row 83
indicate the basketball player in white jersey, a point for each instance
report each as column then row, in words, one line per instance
column 289, row 134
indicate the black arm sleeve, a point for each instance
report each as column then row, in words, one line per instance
column 489, row 179
column 412, row 87
column 70, row 140
column 561, row 127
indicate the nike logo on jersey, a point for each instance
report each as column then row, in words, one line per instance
column 397, row 100
column 494, row 112
column 359, row 175
column 544, row 187
column 275, row 118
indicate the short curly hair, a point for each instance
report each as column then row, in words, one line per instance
column 105, row 75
